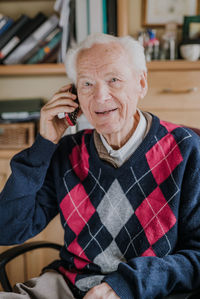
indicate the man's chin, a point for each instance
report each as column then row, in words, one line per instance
column 105, row 130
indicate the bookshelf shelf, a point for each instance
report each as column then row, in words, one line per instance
column 59, row 69
column 31, row 70
column 172, row 65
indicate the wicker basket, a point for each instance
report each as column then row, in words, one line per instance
column 16, row 135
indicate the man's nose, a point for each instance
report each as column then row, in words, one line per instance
column 101, row 92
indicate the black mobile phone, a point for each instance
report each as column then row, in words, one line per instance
column 72, row 116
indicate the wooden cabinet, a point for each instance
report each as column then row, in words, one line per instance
column 30, row 264
column 174, row 91
column 5, row 157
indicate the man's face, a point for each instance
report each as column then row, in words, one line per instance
column 108, row 88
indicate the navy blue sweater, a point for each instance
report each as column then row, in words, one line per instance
column 137, row 227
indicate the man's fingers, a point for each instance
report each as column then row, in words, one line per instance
column 61, row 102
column 65, row 87
column 66, row 95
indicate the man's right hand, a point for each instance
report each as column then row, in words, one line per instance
column 51, row 127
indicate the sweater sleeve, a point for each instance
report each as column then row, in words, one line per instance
column 156, row 277
column 28, row 200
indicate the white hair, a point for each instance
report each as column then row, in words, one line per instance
column 133, row 48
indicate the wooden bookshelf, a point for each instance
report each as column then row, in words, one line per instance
column 59, row 69
column 170, row 65
column 31, row 70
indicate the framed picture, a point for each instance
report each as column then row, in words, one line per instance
column 191, row 28
column 157, row 13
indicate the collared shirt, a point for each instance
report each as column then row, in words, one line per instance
column 121, row 155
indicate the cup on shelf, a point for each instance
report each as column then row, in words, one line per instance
column 190, row 52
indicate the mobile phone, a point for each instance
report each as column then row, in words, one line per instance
column 72, row 116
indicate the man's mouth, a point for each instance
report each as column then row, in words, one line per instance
column 105, row 111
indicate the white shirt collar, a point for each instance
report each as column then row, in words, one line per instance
column 122, row 154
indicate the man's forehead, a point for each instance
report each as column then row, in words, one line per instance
column 106, row 49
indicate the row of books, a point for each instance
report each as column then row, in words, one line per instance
column 20, row 110
column 95, row 16
column 29, row 40
column 39, row 39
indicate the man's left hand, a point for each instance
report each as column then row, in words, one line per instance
column 101, row 291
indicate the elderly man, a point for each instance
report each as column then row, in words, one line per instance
column 128, row 191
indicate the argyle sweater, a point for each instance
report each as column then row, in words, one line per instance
column 136, row 227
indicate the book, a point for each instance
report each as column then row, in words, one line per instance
column 6, row 26
column 112, row 17
column 26, row 48
column 54, row 40
column 63, row 8
column 1, row 17
column 41, row 44
column 81, row 20
column 104, row 15
column 97, row 16
column 21, row 35
column 23, row 19
column 20, row 109
column 3, row 20
column 72, row 18
column 52, row 57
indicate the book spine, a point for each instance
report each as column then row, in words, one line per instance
column 21, row 35
column 81, row 20
column 88, row 16
column 6, row 26
column 16, row 26
column 9, row 46
column 104, row 13
column 112, row 17
column 96, row 16
column 22, row 52
column 3, row 21
column 40, row 55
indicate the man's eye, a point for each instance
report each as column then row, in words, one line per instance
column 87, row 83
column 114, row 80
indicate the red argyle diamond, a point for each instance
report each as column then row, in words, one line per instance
column 81, row 259
column 77, row 208
column 79, row 159
column 169, row 126
column 163, row 158
column 155, row 216
column 149, row 252
column 70, row 275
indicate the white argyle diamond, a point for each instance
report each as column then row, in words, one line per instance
column 109, row 259
column 114, row 209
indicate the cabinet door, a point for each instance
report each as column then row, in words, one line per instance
column 30, row 264
column 4, row 171
column 174, row 96
column 18, row 263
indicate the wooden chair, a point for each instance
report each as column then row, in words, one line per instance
column 12, row 253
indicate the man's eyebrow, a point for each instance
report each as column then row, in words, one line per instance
column 83, row 76
column 115, row 73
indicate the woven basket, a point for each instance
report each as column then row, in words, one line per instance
column 16, row 135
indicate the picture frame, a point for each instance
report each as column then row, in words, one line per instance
column 191, row 28
column 157, row 13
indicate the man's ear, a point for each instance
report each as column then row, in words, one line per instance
column 143, row 84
